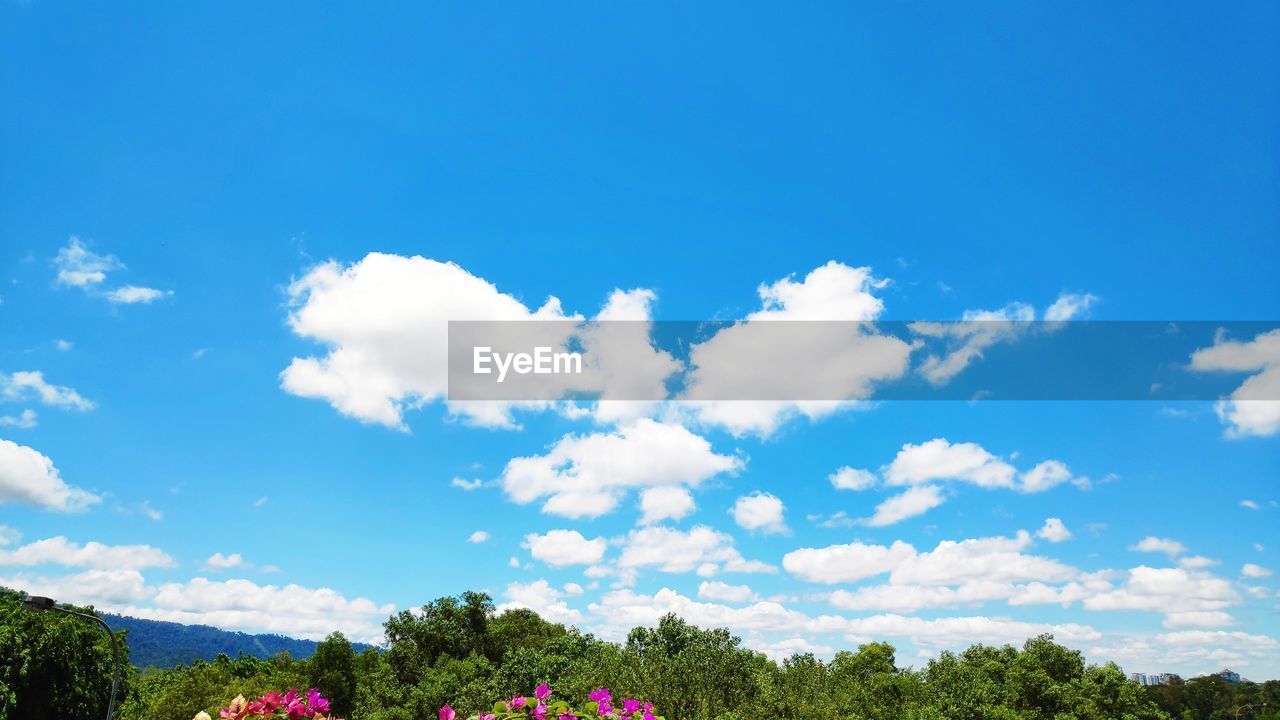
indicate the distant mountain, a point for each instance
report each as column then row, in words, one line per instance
column 165, row 644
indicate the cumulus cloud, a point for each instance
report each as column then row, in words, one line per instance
column 1251, row 570
column 586, row 475
column 724, row 592
column 1069, row 306
column 1166, row 590
column 237, row 604
column 1152, row 543
column 665, row 503
column 907, row 504
column 994, row 559
column 385, row 319
column 477, row 537
column 840, row 365
column 701, row 549
column 61, row 551
column 846, row 563
column 1054, row 530
column 1253, row 408
column 560, row 548
column 30, row 385
column 218, row 561
column 29, row 477
column 541, row 598
column 621, row 610
column 759, row 511
column 847, row 478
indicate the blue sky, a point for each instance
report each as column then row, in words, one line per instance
column 973, row 158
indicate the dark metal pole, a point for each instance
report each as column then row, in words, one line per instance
column 40, row 603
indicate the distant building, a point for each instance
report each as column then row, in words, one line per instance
column 1155, row 678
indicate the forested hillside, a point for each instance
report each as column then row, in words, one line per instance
column 165, row 644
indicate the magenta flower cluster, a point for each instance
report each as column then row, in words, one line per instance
column 541, row 706
column 292, row 705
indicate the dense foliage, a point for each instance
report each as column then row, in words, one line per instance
column 165, row 644
column 458, row 652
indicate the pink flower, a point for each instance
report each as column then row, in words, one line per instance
column 629, row 706
column 604, row 709
column 486, row 716
column 517, row 702
column 567, row 716
column 447, row 713
column 316, row 702
column 648, row 715
column 601, row 696
column 271, row 701
column 542, row 692
column 539, row 712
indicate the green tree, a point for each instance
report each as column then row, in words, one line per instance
column 54, row 666
column 332, row 669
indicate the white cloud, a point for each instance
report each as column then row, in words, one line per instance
column 989, row 560
column 60, row 551
column 465, row 484
column 759, row 511
column 1250, row 504
column 1196, row 562
column 80, row 267
column 28, row 476
column 1152, row 543
column 385, row 322
column 1054, row 530
column 981, row 329
column 1253, row 408
column 218, row 561
column 907, row 504
column 621, row 610
column 702, row 549
column 586, row 475
column 151, row 512
column 992, row 559
column 560, row 548
column 133, row 295
column 847, row 478
column 30, row 384
column 1198, row 618
column 724, row 592
column 1251, row 570
column 63, row 345
column 572, row 589
column 293, row 610
column 541, row 598
column 939, row 459
column 23, row 421
column 1166, row 590
column 665, row 503
column 1069, row 306
column 9, row 535
column 99, row 587
column 478, row 537
column 839, row 365
column 846, row 563
column 260, row 501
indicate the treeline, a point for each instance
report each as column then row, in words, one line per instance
column 165, row 644
column 459, row 651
